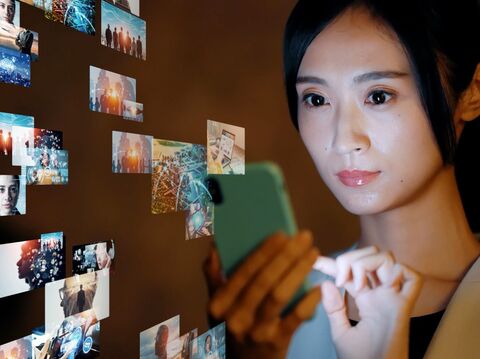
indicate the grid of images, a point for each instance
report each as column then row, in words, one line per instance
column 93, row 257
column 131, row 153
column 226, row 148
column 164, row 341
column 31, row 264
column 123, row 31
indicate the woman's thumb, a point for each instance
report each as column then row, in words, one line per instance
column 335, row 308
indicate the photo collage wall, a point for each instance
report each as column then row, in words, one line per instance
column 75, row 305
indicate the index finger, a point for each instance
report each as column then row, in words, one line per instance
column 226, row 295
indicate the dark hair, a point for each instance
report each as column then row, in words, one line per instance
column 433, row 34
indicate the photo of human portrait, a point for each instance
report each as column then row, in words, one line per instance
column 93, row 257
column 31, row 264
column 19, row 349
column 188, row 345
column 50, row 167
column 178, row 176
column 131, row 153
column 132, row 111
column 226, row 148
column 108, row 90
column 199, row 221
column 211, row 345
column 12, row 195
column 161, row 341
column 7, row 123
column 77, row 294
column 76, row 14
column 131, row 6
column 14, row 67
column 78, row 336
column 123, row 31
column 14, row 37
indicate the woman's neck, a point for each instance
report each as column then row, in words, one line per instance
column 429, row 234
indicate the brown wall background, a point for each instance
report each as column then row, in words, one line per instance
column 205, row 59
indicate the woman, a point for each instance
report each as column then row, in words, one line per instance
column 9, row 193
column 380, row 93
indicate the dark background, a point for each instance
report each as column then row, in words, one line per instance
column 212, row 59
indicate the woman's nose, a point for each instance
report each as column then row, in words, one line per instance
column 350, row 132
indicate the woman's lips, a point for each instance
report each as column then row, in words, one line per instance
column 356, row 178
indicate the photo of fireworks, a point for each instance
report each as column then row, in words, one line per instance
column 76, row 14
column 123, row 31
column 179, row 171
column 131, row 153
column 109, row 90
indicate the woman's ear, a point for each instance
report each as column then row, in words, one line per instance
column 468, row 107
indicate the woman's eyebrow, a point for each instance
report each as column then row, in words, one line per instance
column 368, row 76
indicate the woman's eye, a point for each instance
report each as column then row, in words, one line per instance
column 315, row 100
column 379, row 97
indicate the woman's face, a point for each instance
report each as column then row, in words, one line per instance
column 9, row 187
column 360, row 116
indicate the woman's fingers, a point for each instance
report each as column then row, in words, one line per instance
column 225, row 296
column 283, row 293
column 412, row 284
column 344, row 263
column 212, row 270
column 335, row 308
column 304, row 310
column 242, row 316
column 380, row 263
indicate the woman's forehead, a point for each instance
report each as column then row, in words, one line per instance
column 355, row 42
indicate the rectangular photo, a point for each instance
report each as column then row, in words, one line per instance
column 131, row 153
column 132, row 111
column 48, row 139
column 21, row 40
column 131, row 6
column 13, row 190
column 199, row 221
column 161, row 341
column 31, row 264
column 93, row 257
column 108, row 91
column 178, row 176
column 76, row 14
column 123, row 31
column 20, row 348
column 77, row 294
column 226, row 148
column 50, row 167
column 14, row 67
column 77, row 337
column 211, row 345
column 7, row 122
column 23, row 144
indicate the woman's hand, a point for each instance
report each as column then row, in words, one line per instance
column 384, row 292
column 252, row 299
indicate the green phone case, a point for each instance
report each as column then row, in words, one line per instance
column 252, row 207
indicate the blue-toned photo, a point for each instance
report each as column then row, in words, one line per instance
column 7, row 122
column 51, row 167
column 14, row 67
column 123, row 31
column 77, row 14
column 211, row 345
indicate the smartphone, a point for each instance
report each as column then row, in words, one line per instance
column 247, row 209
